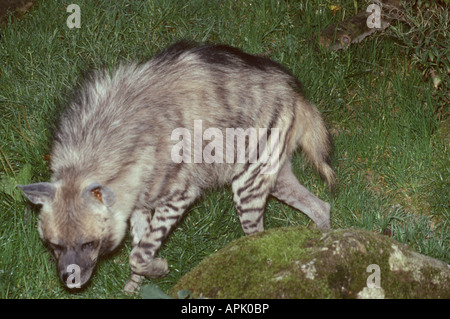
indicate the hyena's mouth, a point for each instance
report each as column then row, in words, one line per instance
column 75, row 265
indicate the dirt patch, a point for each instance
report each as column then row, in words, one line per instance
column 16, row 7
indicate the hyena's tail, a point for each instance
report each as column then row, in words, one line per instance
column 316, row 144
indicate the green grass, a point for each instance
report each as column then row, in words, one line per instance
column 391, row 153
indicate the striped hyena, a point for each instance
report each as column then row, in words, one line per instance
column 113, row 157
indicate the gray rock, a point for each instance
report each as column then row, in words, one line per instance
column 298, row 262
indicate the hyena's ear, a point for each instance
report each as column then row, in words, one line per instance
column 39, row 193
column 103, row 194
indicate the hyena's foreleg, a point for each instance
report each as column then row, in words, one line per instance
column 139, row 226
column 142, row 257
column 289, row 190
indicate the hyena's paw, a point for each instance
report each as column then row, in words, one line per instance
column 324, row 225
column 323, row 221
column 157, row 267
column 151, row 268
column 133, row 284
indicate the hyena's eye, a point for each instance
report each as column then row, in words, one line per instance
column 88, row 246
column 56, row 248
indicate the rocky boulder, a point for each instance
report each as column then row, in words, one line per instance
column 298, row 262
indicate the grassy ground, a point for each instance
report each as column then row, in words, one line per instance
column 391, row 153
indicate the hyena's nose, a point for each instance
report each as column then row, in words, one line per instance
column 71, row 276
column 64, row 276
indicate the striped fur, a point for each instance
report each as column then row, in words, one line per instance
column 112, row 158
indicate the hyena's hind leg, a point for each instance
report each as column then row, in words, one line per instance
column 139, row 226
column 250, row 191
column 289, row 190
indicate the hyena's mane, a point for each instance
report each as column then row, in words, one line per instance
column 225, row 56
column 105, row 111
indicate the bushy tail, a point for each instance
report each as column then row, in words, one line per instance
column 317, row 146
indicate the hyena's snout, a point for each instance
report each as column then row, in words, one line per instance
column 75, row 269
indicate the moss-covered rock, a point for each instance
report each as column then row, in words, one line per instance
column 298, row 262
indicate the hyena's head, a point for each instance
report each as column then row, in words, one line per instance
column 78, row 222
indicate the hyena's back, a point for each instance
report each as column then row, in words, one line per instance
column 112, row 156
column 123, row 121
